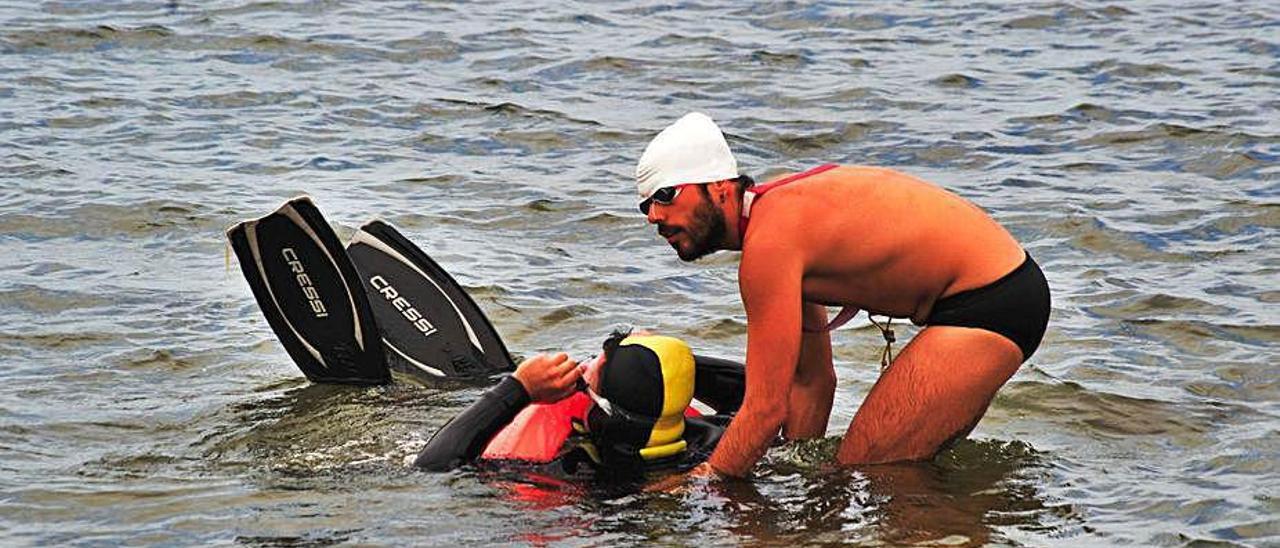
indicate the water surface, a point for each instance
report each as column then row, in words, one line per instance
column 1132, row 147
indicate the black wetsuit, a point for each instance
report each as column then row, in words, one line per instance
column 718, row 383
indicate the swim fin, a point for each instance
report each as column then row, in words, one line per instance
column 309, row 291
column 429, row 325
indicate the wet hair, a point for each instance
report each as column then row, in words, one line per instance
column 741, row 182
column 744, row 182
column 615, row 339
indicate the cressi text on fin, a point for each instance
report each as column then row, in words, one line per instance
column 310, row 292
column 429, row 325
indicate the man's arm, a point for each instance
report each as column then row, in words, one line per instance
column 814, row 385
column 769, row 278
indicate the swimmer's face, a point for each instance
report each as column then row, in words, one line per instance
column 692, row 223
column 591, row 373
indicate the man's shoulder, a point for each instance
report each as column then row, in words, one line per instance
column 834, row 179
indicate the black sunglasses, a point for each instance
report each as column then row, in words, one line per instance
column 664, row 196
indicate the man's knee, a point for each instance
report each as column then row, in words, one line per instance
column 959, row 435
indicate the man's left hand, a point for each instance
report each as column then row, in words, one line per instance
column 682, row 482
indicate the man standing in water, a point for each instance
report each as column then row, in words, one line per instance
column 866, row 239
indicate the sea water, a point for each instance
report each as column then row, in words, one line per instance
column 1130, row 146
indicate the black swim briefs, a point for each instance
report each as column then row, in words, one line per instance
column 1015, row 306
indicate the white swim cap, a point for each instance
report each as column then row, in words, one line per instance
column 692, row 150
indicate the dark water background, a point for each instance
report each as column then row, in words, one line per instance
column 1131, row 146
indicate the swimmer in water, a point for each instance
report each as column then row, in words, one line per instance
column 631, row 414
column 328, row 305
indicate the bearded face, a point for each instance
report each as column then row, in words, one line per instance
column 703, row 234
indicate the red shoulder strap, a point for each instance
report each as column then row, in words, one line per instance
column 749, row 197
column 761, row 189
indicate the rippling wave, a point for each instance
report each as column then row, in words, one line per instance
column 1133, row 148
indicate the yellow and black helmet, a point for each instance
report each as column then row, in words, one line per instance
column 646, row 383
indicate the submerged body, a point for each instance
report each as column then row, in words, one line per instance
column 508, row 428
column 629, row 416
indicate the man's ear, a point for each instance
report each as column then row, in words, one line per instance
column 722, row 190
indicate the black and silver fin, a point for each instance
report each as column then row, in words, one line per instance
column 430, row 326
column 307, row 288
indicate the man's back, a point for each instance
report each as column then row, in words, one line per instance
column 881, row 240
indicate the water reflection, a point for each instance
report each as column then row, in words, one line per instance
column 964, row 497
column 977, row 493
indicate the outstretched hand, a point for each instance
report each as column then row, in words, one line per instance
column 702, row 473
column 548, row 377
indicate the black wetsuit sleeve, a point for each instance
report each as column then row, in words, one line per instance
column 719, row 383
column 464, row 437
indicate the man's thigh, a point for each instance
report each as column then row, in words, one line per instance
column 934, row 392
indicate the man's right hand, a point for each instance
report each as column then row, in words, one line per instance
column 548, row 377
